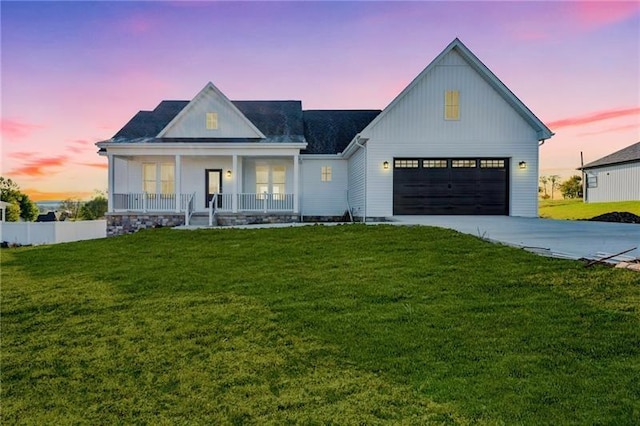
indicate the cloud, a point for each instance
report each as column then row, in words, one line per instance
column 78, row 146
column 612, row 129
column 37, row 195
column 22, row 155
column 598, row 14
column 37, row 166
column 139, row 24
column 593, row 117
column 14, row 129
column 104, row 166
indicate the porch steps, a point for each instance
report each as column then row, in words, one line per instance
column 200, row 219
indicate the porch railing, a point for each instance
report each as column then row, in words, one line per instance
column 145, row 202
column 265, row 202
column 189, row 208
column 244, row 202
column 250, row 202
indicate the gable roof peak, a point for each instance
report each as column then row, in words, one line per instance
column 210, row 87
column 543, row 132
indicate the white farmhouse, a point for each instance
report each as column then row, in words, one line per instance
column 615, row 177
column 455, row 141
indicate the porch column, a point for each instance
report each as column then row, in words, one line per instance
column 111, row 184
column 235, row 177
column 177, row 183
column 296, row 182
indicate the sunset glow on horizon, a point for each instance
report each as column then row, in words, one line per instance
column 74, row 73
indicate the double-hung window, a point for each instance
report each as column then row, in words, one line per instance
column 272, row 180
column 158, row 178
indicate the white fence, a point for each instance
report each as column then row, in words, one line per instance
column 51, row 232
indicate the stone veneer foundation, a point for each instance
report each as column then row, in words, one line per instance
column 254, row 219
column 128, row 223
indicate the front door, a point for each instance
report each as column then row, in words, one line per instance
column 213, row 185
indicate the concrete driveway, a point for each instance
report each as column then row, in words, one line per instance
column 562, row 238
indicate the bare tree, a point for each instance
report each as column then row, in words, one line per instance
column 555, row 181
column 544, row 180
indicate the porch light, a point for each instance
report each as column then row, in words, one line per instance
column 228, row 174
column 385, row 165
column 523, row 165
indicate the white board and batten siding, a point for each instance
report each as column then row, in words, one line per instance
column 414, row 127
column 191, row 122
column 357, row 182
column 323, row 198
column 617, row 182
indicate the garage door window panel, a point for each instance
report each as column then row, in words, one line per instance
column 466, row 164
column 492, row 164
column 434, row 164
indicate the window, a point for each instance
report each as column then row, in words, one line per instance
column 405, row 164
column 452, row 105
column 167, row 178
column 592, row 181
column 149, row 178
column 467, row 164
column 212, row 120
column 325, row 174
column 434, row 164
column 158, row 178
column 278, row 177
column 272, row 180
column 262, row 179
column 491, row 164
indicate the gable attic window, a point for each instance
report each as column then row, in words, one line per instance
column 325, row 175
column 212, row 120
column 452, row 105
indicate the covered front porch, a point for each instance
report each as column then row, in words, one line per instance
column 191, row 184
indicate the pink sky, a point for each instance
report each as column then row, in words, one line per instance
column 74, row 73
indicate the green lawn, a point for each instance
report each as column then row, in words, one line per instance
column 576, row 209
column 346, row 324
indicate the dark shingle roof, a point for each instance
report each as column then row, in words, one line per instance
column 326, row 131
column 150, row 123
column 330, row 131
column 625, row 155
column 279, row 121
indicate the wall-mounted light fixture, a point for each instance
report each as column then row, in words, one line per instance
column 522, row 165
column 385, row 165
column 228, row 173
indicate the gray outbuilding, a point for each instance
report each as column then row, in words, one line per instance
column 615, row 177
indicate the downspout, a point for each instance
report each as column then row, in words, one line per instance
column 364, row 216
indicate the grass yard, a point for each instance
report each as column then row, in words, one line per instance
column 576, row 209
column 314, row 325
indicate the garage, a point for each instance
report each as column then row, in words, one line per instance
column 451, row 186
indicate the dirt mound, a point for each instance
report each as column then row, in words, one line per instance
column 621, row 217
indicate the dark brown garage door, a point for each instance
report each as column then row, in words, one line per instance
column 451, row 186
